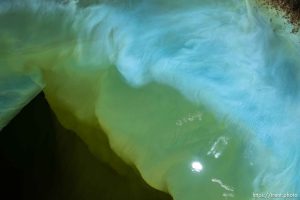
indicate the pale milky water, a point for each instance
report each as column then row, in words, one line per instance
column 201, row 96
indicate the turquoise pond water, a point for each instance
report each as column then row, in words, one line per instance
column 200, row 96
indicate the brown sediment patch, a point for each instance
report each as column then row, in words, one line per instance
column 290, row 8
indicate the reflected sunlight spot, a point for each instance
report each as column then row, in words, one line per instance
column 197, row 166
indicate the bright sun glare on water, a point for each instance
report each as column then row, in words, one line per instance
column 197, row 166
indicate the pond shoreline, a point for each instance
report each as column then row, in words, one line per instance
column 290, row 9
